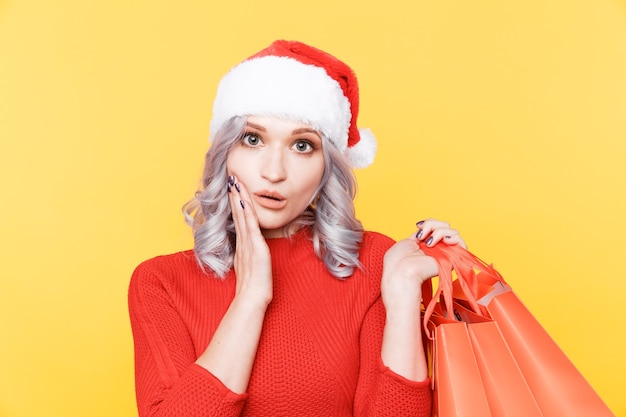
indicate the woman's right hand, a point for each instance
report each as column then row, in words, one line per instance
column 231, row 352
column 252, row 262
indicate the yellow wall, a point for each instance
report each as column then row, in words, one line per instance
column 506, row 118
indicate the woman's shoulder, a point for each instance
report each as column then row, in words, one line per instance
column 167, row 269
column 176, row 281
column 374, row 245
column 172, row 260
column 373, row 248
column 376, row 240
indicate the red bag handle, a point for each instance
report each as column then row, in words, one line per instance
column 467, row 268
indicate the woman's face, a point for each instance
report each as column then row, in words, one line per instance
column 281, row 164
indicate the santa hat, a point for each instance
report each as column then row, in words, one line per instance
column 297, row 81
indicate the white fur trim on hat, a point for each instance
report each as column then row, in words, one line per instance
column 284, row 87
column 362, row 153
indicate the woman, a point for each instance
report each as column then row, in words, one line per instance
column 286, row 306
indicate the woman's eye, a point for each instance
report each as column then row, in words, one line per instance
column 251, row 139
column 303, row 146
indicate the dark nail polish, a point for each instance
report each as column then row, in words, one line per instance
column 237, row 187
column 231, row 180
column 419, row 234
column 243, row 205
column 429, row 241
column 448, row 237
column 228, row 187
column 420, row 223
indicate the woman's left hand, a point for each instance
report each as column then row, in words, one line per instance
column 406, row 266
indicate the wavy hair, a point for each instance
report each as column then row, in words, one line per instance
column 336, row 232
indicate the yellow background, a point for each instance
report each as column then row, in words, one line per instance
column 506, row 118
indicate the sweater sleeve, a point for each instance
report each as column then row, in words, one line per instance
column 168, row 382
column 380, row 391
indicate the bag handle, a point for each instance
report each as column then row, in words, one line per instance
column 467, row 267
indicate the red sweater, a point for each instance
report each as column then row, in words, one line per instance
column 319, row 353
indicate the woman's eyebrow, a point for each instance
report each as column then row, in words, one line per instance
column 305, row 130
column 255, row 126
column 295, row 131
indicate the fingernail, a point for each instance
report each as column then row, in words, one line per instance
column 429, row 241
column 448, row 237
column 228, row 187
column 419, row 234
column 243, row 205
column 237, row 187
column 231, row 180
column 420, row 223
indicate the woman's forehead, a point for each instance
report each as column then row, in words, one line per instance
column 288, row 124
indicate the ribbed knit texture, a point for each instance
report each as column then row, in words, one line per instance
column 319, row 353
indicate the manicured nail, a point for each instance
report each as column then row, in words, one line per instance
column 237, row 187
column 419, row 234
column 448, row 237
column 420, row 223
column 429, row 241
column 231, row 180
column 228, row 187
column 243, row 205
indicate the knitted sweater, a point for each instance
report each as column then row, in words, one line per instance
column 319, row 352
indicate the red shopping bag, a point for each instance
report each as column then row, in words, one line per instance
column 557, row 386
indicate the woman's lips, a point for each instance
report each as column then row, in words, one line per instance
column 270, row 200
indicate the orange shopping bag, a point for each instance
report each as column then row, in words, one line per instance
column 558, row 388
column 474, row 372
column 458, row 389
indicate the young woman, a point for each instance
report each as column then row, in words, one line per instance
column 285, row 307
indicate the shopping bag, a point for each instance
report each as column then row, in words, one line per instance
column 458, row 389
column 557, row 386
column 474, row 372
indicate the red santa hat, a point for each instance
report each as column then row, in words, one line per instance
column 297, row 81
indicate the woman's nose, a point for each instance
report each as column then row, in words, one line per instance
column 273, row 168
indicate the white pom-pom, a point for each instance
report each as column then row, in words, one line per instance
column 361, row 155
